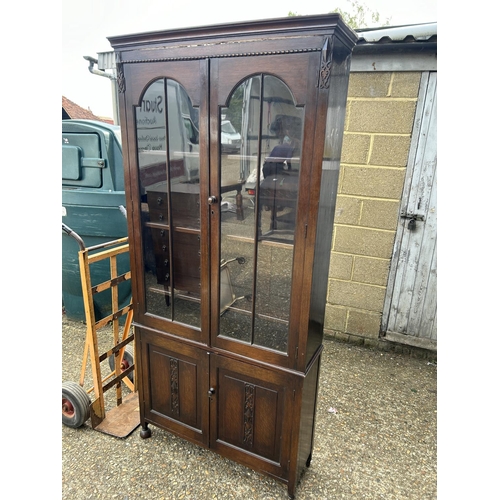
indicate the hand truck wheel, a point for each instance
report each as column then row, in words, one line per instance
column 127, row 360
column 75, row 405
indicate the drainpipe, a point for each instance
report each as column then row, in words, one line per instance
column 92, row 61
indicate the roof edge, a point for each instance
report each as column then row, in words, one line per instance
column 417, row 32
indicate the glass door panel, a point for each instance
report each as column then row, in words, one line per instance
column 168, row 159
column 260, row 165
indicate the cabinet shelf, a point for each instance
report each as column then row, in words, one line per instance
column 166, row 227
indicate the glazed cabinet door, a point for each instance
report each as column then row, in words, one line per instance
column 261, row 167
column 251, row 414
column 168, row 176
column 174, row 379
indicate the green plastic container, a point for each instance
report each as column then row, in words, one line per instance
column 92, row 193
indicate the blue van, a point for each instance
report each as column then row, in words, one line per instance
column 92, row 192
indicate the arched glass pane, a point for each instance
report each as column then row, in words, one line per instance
column 168, row 159
column 260, row 165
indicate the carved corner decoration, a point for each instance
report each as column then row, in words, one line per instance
column 120, row 77
column 326, row 64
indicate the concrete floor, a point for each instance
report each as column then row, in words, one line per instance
column 376, row 438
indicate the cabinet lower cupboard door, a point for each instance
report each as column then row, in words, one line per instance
column 174, row 380
column 248, row 414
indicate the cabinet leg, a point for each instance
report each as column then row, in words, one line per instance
column 145, row 431
column 239, row 206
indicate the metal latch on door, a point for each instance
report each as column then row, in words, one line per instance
column 412, row 219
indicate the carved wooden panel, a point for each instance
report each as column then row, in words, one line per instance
column 251, row 412
column 173, row 386
column 175, row 389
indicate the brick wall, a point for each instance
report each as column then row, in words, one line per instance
column 377, row 135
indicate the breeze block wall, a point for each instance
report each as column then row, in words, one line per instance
column 377, row 134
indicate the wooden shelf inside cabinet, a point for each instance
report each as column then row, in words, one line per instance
column 181, row 249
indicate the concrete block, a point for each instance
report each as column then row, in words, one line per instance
column 347, row 210
column 370, row 270
column 384, row 116
column 380, row 214
column 363, row 241
column 356, row 295
column 405, row 84
column 355, row 148
column 363, row 323
column 340, row 266
column 374, row 182
column 390, row 150
column 369, row 84
column 335, row 317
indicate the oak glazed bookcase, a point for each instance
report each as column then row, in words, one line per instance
column 232, row 137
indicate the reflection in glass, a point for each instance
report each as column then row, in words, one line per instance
column 168, row 158
column 259, row 180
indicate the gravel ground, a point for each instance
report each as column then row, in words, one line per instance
column 376, row 438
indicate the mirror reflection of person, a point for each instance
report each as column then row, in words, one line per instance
column 280, row 158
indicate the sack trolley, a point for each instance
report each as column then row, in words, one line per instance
column 77, row 406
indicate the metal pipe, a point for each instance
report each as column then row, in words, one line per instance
column 92, row 61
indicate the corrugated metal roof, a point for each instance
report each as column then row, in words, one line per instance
column 386, row 38
column 396, row 34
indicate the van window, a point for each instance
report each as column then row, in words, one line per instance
column 82, row 160
column 227, row 127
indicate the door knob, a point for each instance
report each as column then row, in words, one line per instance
column 212, row 200
column 211, row 391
